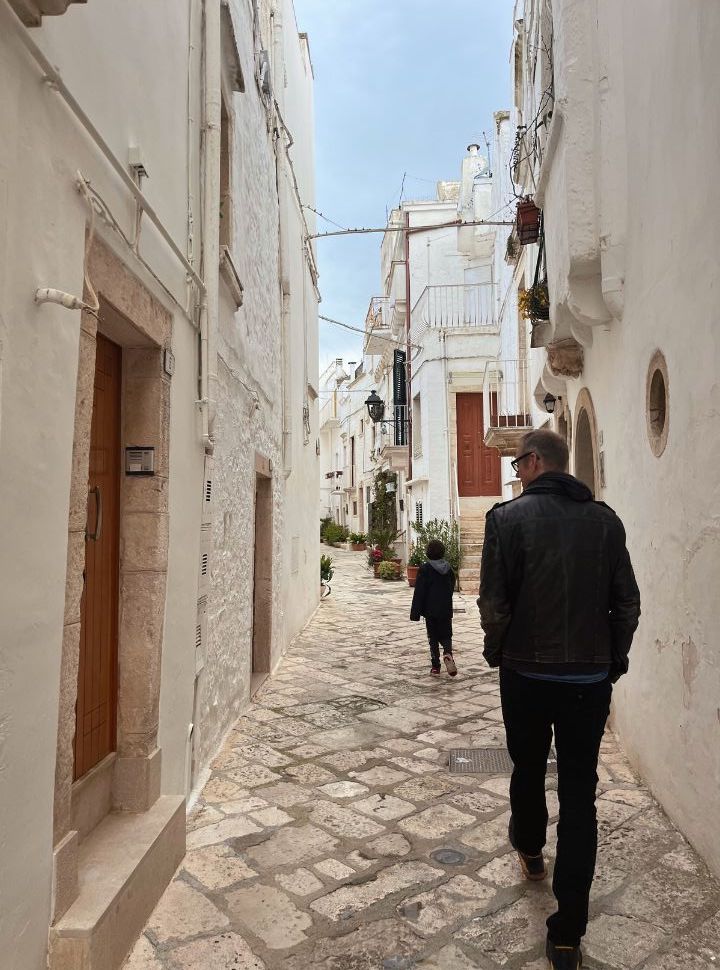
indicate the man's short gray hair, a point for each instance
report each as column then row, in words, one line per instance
column 549, row 446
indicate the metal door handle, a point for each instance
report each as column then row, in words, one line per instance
column 98, row 516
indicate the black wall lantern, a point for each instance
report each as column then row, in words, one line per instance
column 375, row 406
column 549, row 401
column 399, row 422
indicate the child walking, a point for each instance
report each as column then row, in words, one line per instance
column 433, row 599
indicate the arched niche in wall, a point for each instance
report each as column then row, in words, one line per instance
column 585, row 451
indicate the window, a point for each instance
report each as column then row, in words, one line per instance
column 354, row 508
column 417, row 427
column 418, row 514
column 656, row 404
column 362, row 426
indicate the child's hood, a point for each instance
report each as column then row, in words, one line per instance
column 440, row 565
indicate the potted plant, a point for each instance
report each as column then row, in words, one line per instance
column 389, row 570
column 534, row 303
column 357, row 541
column 326, row 571
column 335, row 534
column 375, row 557
column 527, row 222
column 415, row 561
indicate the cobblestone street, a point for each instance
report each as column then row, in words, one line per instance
column 332, row 835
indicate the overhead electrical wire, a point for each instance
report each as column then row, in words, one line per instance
column 347, row 326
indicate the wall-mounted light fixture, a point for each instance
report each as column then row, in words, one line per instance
column 549, row 402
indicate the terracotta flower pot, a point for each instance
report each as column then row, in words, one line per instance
column 412, row 572
column 528, row 222
column 376, row 570
column 358, row 547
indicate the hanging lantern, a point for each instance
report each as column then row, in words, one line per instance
column 528, row 222
column 375, row 406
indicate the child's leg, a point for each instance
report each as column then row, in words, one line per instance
column 434, row 645
column 448, row 656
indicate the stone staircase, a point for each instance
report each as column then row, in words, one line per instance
column 472, row 533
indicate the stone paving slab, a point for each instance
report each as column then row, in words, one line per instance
column 314, row 844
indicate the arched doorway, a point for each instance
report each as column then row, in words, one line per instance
column 585, row 458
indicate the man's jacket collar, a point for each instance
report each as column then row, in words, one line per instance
column 560, row 483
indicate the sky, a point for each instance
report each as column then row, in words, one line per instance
column 401, row 86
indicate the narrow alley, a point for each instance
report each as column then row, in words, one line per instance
column 332, row 835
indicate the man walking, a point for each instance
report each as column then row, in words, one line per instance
column 559, row 605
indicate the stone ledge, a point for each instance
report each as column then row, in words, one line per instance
column 125, row 864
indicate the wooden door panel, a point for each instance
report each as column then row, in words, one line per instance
column 96, row 712
column 478, row 465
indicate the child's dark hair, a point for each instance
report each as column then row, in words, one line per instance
column 435, row 549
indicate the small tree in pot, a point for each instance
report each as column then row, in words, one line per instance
column 416, row 559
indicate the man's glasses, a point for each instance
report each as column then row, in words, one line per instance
column 515, row 463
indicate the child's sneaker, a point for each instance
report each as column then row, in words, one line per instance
column 450, row 664
column 435, row 671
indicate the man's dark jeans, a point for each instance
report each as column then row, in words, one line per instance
column 577, row 713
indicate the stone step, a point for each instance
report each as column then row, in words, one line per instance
column 469, row 576
column 125, row 865
column 471, row 540
column 471, row 548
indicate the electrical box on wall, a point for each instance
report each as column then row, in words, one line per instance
column 139, row 460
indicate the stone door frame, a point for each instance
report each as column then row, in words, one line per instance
column 584, row 405
column 128, row 779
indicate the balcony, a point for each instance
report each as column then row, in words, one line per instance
column 393, row 443
column 507, row 404
column 329, row 417
column 378, row 335
column 455, row 306
column 31, row 12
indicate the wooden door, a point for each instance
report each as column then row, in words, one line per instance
column 478, row 465
column 96, row 711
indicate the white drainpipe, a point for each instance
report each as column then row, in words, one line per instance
column 211, row 218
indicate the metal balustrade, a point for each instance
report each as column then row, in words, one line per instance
column 455, row 305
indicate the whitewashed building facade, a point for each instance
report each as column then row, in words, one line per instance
column 158, row 455
column 630, row 351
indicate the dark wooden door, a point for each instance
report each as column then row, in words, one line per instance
column 478, row 465
column 96, row 712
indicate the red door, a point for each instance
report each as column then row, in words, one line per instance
column 478, row 465
column 96, row 711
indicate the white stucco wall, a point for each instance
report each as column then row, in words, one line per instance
column 266, row 373
column 42, row 236
column 300, row 540
column 654, row 272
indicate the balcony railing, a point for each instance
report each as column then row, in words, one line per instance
column 394, row 427
column 377, row 325
column 455, row 305
column 329, row 410
column 507, row 404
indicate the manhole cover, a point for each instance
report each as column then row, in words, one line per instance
column 356, row 704
column 487, row 761
column 448, row 857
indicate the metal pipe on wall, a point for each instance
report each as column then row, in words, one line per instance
column 211, row 214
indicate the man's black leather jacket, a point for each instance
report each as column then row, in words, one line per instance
column 557, row 589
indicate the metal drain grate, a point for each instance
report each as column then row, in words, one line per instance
column 487, row 761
